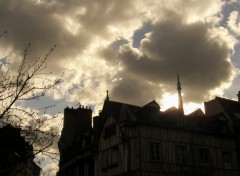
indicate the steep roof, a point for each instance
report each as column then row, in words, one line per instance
column 230, row 105
column 171, row 110
column 153, row 104
column 120, row 111
column 127, row 114
column 197, row 112
column 150, row 114
column 232, row 108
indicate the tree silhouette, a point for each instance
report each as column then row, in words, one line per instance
column 29, row 83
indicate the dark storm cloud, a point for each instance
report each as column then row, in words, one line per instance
column 71, row 25
column 131, row 90
column 27, row 22
column 76, row 26
column 174, row 45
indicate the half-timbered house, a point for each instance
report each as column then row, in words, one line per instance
column 135, row 140
column 129, row 140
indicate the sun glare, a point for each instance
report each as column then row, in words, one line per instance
column 170, row 100
column 190, row 107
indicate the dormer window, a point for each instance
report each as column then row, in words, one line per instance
column 110, row 130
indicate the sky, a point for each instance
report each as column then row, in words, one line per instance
column 133, row 48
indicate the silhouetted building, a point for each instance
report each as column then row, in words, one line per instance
column 228, row 110
column 16, row 155
column 128, row 140
column 76, row 143
column 135, row 140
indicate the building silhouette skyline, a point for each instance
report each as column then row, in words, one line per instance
column 143, row 140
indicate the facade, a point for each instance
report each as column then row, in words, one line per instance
column 146, row 141
column 128, row 140
column 16, row 155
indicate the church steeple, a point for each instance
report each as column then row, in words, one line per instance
column 180, row 101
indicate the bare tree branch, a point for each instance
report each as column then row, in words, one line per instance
column 31, row 82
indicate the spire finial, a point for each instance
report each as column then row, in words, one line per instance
column 179, row 88
column 107, row 98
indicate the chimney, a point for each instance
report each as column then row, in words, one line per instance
column 238, row 96
column 76, row 122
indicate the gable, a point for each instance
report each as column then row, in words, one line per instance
column 153, row 105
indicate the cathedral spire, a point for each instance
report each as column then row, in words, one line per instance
column 180, row 101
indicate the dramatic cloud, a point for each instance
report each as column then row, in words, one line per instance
column 131, row 89
column 72, row 25
column 194, row 49
column 179, row 39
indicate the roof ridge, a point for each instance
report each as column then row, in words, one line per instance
column 127, row 104
column 217, row 97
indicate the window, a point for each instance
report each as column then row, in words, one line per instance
column 105, row 160
column 115, row 155
column 110, row 130
column 227, row 159
column 181, row 153
column 155, row 151
column 110, row 158
column 204, row 155
column 83, row 143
